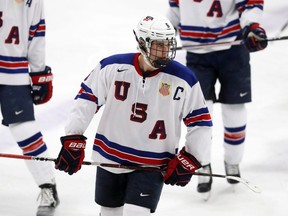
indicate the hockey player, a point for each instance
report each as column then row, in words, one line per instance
column 213, row 21
column 24, row 80
column 146, row 97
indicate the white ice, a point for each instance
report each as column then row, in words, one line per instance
column 79, row 34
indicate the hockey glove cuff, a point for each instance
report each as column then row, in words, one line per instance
column 42, row 87
column 254, row 37
column 72, row 153
column 181, row 168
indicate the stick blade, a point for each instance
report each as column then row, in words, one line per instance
column 252, row 187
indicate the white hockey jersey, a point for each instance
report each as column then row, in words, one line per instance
column 141, row 120
column 212, row 21
column 22, row 40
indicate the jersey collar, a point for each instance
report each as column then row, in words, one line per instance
column 139, row 71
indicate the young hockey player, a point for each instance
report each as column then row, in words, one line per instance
column 146, row 97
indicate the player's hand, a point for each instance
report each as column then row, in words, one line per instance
column 254, row 37
column 72, row 153
column 42, row 87
column 181, row 168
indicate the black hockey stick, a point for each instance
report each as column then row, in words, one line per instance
column 233, row 43
column 132, row 167
column 283, row 28
column 252, row 187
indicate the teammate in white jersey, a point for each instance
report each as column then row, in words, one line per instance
column 24, row 80
column 215, row 21
column 146, row 97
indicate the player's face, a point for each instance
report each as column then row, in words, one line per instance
column 159, row 49
column 162, row 52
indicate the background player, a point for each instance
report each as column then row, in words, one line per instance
column 213, row 21
column 22, row 65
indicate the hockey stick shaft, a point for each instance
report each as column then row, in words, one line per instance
column 132, row 167
column 283, row 28
column 233, row 43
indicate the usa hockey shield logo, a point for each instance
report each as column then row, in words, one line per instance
column 164, row 89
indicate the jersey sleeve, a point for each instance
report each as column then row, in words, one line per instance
column 90, row 98
column 251, row 11
column 37, row 31
column 198, row 122
column 173, row 13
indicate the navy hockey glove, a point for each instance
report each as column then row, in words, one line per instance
column 72, row 153
column 254, row 37
column 42, row 86
column 181, row 168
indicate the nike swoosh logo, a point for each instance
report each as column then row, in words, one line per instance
column 243, row 94
column 18, row 112
column 144, row 195
column 121, row 70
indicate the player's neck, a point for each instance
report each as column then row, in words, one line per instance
column 145, row 68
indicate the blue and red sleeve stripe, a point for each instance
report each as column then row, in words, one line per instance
column 200, row 117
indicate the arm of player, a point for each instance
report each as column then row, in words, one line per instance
column 173, row 13
column 86, row 104
column 251, row 15
column 37, row 41
column 198, row 122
